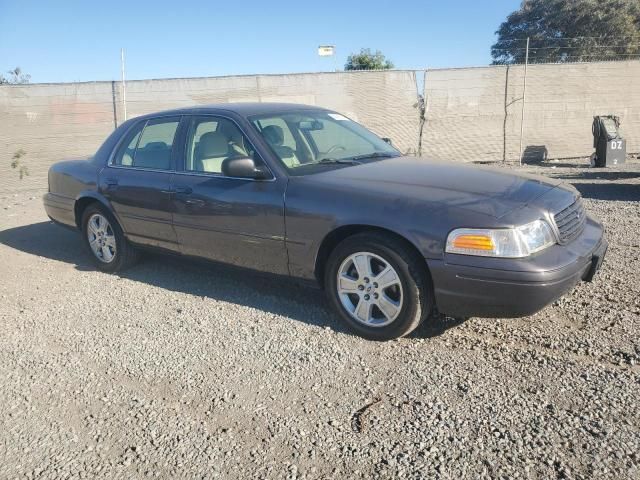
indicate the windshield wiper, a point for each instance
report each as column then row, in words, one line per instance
column 374, row 155
column 344, row 161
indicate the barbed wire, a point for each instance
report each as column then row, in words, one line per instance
column 569, row 59
column 535, row 37
column 557, row 50
column 558, row 46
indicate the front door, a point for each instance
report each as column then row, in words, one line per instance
column 231, row 220
column 137, row 182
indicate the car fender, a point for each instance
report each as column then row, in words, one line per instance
column 346, row 227
column 400, row 229
column 97, row 196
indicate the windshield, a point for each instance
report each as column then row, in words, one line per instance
column 310, row 141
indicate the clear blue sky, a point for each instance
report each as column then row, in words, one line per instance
column 61, row 41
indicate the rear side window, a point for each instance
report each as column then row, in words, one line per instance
column 127, row 149
column 149, row 145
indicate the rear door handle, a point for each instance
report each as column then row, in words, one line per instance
column 112, row 183
column 194, row 202
column 183, row 189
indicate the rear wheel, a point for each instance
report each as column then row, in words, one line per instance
column 378, row 286
column 103, row 237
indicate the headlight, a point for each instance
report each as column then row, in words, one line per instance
column 508, row 242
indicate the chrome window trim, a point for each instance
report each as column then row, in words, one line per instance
column 141, row 169
column 197, row 174
column 216, row 175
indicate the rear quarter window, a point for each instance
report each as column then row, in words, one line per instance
column 148, row 145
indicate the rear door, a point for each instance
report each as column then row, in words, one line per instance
column 137, row 182
column 238, row 221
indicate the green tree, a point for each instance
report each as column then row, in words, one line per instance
column 366, row 60
column 16, row 76
column 569, row 31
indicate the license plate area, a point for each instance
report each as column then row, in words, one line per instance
column 596, row 262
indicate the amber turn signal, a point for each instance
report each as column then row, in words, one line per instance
column 475, row 242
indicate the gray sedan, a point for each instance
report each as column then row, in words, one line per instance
column 305, row 192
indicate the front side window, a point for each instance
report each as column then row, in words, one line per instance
column 307, row 141
column 148, row 145
column 279, row 136
column 212, row 140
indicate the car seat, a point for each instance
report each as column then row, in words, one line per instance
column 274, row 136
column 213, row 149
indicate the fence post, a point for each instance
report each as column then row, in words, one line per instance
column 124, row 86
column 421, row 106
column 524, row 99
column 113, row 102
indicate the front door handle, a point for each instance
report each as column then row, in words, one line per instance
column 185, row 190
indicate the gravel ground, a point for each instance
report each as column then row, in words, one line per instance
column 179, row 370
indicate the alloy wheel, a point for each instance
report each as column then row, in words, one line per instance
column 369, row 289
column 101, row 238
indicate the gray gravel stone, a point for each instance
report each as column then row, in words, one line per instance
column 177, row 370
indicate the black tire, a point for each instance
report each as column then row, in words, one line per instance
column 125, row 254
column 411, row 269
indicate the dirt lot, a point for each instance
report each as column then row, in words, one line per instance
column 191, row 371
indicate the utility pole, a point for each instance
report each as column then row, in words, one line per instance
column 124, row 85
column 524, row 99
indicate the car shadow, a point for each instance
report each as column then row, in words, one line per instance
column 275, row 295
column 553, row 164
column 598, row 174
column 599, row 183
column 624, row 192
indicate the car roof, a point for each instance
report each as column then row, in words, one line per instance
column 244, row 109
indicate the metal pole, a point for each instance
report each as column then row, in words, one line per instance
column 124, row 85
column 524, row 99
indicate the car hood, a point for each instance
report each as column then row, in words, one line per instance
column 480, row 189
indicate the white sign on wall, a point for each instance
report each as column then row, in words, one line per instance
column 326, row 50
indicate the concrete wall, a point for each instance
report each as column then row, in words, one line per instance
column 472, row 113
column 475, row 113
column 51, row 122
column 55, row 121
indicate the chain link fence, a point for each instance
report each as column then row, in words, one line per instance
column 51, row 122
column 509, row 113
column 498, row 113
column 561, row 50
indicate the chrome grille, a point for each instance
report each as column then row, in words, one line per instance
column 571, row 221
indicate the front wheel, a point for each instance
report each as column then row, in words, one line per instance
column 105, row 240
column 378, row 285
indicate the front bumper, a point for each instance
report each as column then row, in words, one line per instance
column 466, row 286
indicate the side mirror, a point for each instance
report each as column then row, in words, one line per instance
column 244, row 167
column 387, row 140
